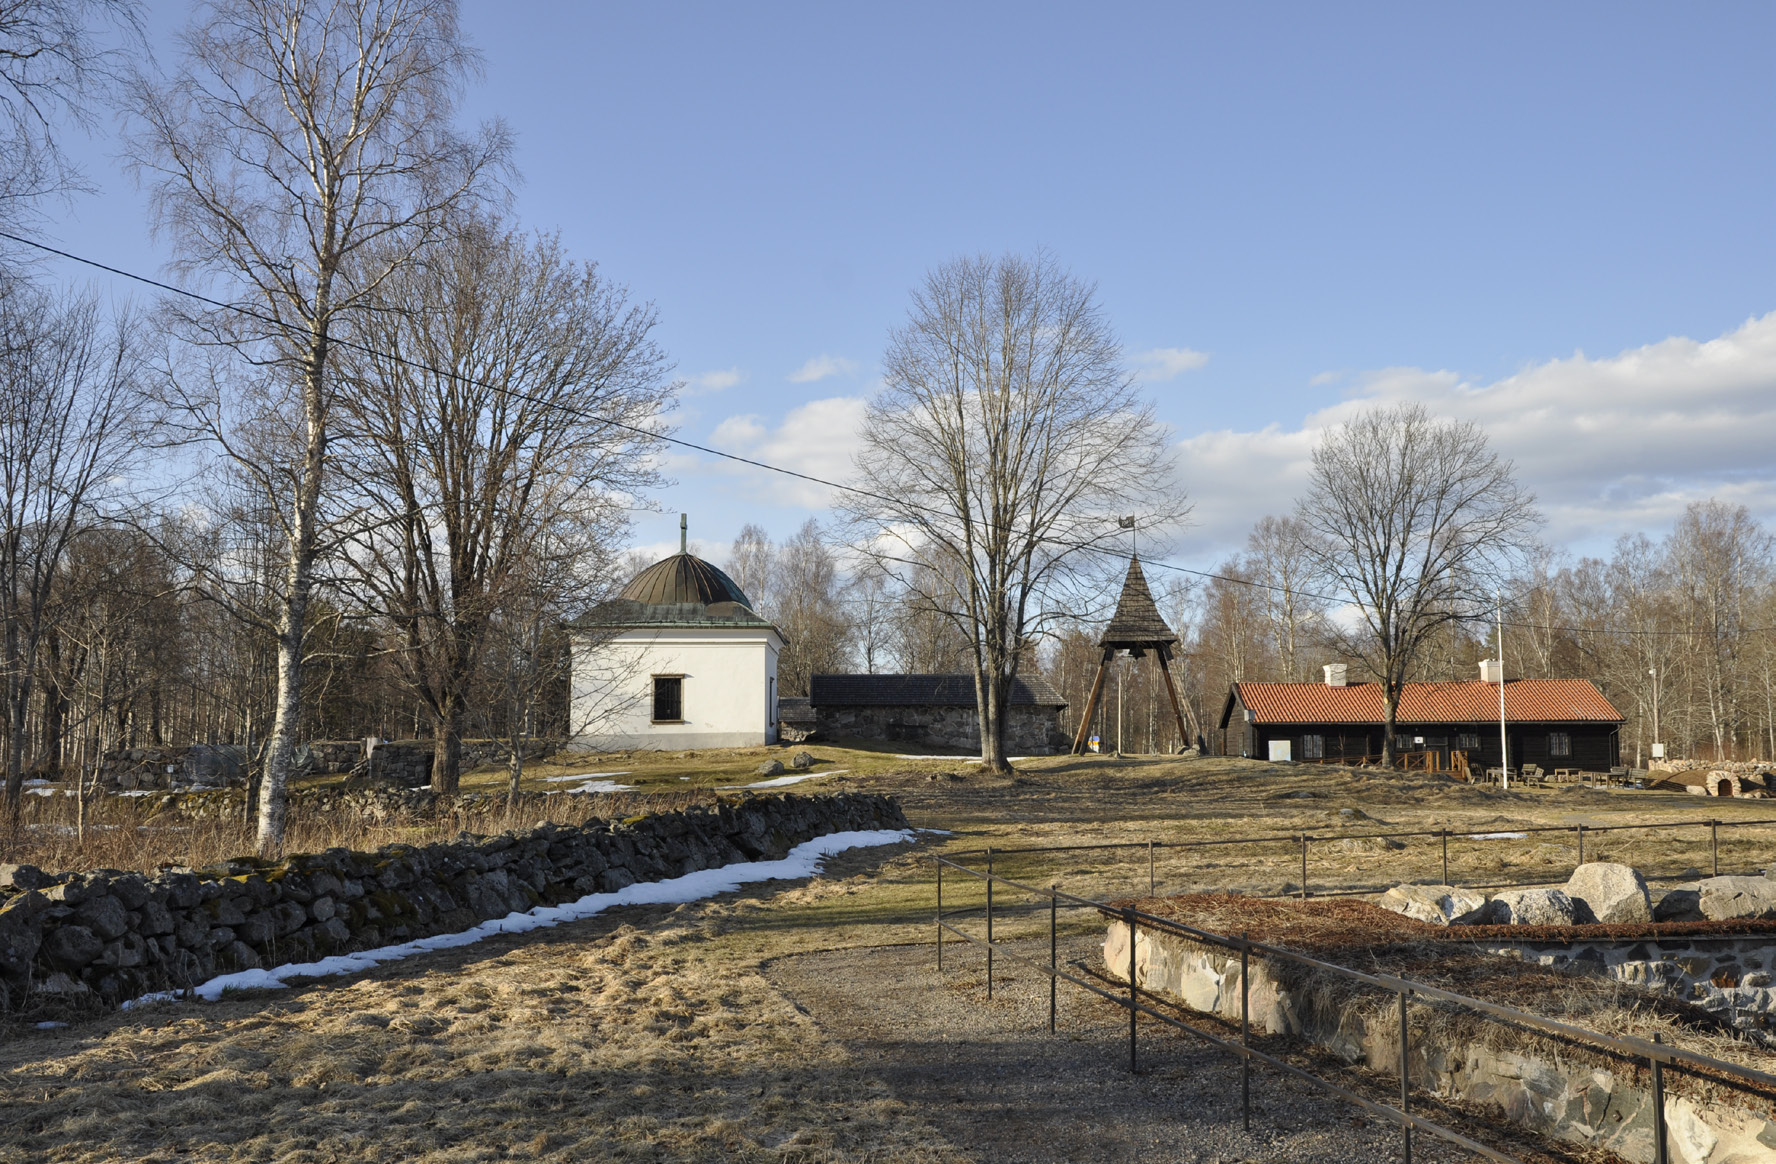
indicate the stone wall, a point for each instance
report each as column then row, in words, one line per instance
column 405, row 763
column 119, row 935
column 1730, row 977
column 1568, row 1096
column 1028, row 730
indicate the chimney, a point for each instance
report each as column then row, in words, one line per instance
column 1492, row 671
column 1335, row 673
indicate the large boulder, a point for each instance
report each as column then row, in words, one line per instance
column 770, row 768
column 1613, row 894
column 1724, row 898
column 1437, row 904
column 1680, row 903
column 1528, row 907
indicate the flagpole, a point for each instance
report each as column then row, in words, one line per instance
column 1504, row 747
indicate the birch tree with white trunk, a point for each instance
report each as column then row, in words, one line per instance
column 302, row 153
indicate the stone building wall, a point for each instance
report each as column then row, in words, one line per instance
column 121, row 935
column 1028, row 730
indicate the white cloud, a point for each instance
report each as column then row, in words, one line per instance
column 820, row 367
column 716, row 381
column 818, row 438
column 1610, row 445
column 1166, row 363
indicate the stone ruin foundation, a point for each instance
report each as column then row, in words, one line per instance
column 1559, row 1090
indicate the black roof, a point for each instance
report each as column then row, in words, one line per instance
column 1136, row 622
column 920, row 691
column 682, row 590
column 683, row 578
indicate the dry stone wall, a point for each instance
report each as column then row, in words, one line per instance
column 1572, row 1097
column 119, row 935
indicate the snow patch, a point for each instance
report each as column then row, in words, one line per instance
column 802, row 861
column 581, row 776
column 1496, row 836
column 784, row 781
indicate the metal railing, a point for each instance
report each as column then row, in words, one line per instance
column 1444, row 836
column 1138, row 1000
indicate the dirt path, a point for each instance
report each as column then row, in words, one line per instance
column 992, row 1079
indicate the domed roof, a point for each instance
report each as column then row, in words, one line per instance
column 683, row 578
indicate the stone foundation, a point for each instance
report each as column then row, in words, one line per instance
column 1569, row 1096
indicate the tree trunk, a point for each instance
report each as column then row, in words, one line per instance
column 280, row 748
column 293, row 623
column 1390, row 707
column 993, row 692
column 447, row 747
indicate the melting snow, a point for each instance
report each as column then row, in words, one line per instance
column 1496, row 836
column 784, row 781
column 581, row 776
column 802, row 861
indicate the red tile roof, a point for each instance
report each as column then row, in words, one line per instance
column 1526, row 700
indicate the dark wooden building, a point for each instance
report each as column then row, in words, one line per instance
column 1553, row 723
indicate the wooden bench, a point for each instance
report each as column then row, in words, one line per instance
column 1565, row 774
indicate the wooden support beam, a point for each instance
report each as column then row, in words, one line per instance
column 1171, row 690
column 1091, row 704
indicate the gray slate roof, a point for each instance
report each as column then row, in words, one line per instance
column 921, row 691
column 1136, row 622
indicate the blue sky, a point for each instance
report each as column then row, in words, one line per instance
column 1554, row 219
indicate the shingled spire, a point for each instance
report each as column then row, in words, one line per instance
column 1137, row 628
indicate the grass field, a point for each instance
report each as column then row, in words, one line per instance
column 681, row 1034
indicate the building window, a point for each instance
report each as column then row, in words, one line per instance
column 668, row 698
column 1560, row 744
column 1313, row 747
column 1467, row 740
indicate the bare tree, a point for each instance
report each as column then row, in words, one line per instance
column 53, row 63
column 302, row 154
column 1414, row 520
column 71, row 419
column 1006, row 433
column 1282, row 567
column 1720, row 559
column 503, row 415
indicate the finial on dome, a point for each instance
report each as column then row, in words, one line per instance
column 683, row 534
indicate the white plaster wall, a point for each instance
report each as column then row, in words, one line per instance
column 730, row 681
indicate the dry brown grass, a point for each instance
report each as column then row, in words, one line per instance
column 132, row 833
column 657, row 1036
column 647, row 1040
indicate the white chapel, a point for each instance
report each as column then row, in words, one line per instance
column 677, row 660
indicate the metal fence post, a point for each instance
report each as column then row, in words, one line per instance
column 1128, row 917
column 1054, row 965
column 1661, row 1152
column 1405, row 1078
column 1245, row 1030
column 1151, row 883
column 1304, row 839
column 989, row 921
column 1714, row 844
column 1446, row 856
column 940, row 915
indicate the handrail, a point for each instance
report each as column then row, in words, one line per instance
column 1628, row 1045
column 1452, row 834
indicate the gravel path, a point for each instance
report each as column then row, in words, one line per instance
column 994, row 1082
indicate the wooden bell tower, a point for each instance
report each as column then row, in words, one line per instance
column 1136, row 628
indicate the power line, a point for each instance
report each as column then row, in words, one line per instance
column 1086, row 547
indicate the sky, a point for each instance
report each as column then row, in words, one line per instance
column 1555, row 220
